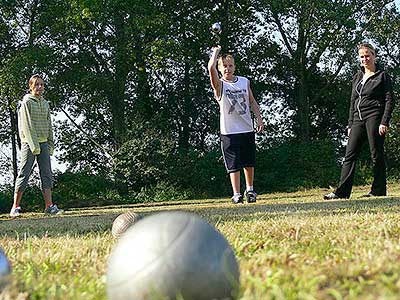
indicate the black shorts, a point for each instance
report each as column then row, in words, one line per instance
column 239, row 151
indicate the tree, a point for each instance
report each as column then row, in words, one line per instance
column 316, row 41
column 22, row 53
column 385, row 35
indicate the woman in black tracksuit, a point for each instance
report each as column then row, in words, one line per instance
column 371, row 108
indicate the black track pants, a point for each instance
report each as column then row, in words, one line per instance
column 360, row 131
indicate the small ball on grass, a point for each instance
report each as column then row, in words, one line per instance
column 123, row 222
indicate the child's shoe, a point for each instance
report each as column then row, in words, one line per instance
column 15, row 212
column 251, row 196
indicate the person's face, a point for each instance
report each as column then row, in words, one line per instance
column 367, row 58
column 227, row 68
column 38, row 87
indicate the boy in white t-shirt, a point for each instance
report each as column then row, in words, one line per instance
column 236, row 101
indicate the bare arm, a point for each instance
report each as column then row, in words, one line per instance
column 212, row 70
column 256, row 110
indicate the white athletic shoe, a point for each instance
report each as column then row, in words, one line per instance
column 237, row 199
column 15, row 212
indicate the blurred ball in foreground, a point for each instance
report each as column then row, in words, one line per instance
column 5, row 269
column 123, row 222
column 172, row 255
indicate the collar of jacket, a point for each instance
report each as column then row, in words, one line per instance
column 377, row 68
column 35, row 98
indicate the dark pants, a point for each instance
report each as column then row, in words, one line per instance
column 360, row 131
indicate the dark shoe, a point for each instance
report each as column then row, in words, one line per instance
column 53, row 210
column 251, row 196
column 369, row 195
column 331, row 196
column 237, row 199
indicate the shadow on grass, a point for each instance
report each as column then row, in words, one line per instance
column 251, row 211
column 99, row 221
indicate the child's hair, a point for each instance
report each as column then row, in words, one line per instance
column 33, row 79
column 225, row 56
column 367, row 46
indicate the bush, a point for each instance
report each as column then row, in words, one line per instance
column 6, row 199
column 31, row 201
column 291, row 166
column 203, row 174
column 143, row 160
column 163, row 191
column 153, row 166
column 157, row 173
column 392, row 144
column 83, row 189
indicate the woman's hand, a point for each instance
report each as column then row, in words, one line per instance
column 383, row 129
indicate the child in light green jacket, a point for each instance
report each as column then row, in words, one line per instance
column 36, row 133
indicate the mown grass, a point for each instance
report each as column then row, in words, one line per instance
column 288, row 245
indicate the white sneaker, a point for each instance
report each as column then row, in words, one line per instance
column 15, row 212
column 237, row 199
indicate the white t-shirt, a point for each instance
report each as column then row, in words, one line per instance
column 234, row 104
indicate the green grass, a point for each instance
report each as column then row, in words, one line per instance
column 288, row 245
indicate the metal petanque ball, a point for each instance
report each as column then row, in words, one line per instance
column 123, row 222
column 169, row 256
column 5, row 269
column 216, row 27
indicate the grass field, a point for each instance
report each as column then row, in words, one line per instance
column 288, row 245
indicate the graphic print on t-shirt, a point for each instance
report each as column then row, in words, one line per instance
column 237, row 100
column 234, row 105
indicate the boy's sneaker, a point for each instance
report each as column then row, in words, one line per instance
column 237, row 199
column 251, row 196
column 53, row 210
column 15, row 212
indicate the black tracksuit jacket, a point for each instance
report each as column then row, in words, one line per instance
column 374, row 98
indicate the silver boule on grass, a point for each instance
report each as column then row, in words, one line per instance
column 5, row 270
column 172, row 255
column 123, row 222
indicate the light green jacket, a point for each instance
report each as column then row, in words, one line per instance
column 34, row 123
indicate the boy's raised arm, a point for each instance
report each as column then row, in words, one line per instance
column 212, row 69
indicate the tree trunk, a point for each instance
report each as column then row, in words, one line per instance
column 14, row 140
column 144, row 101
column 303, row 109
column 117, row 96
column 184, row 130
column 303, row 104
